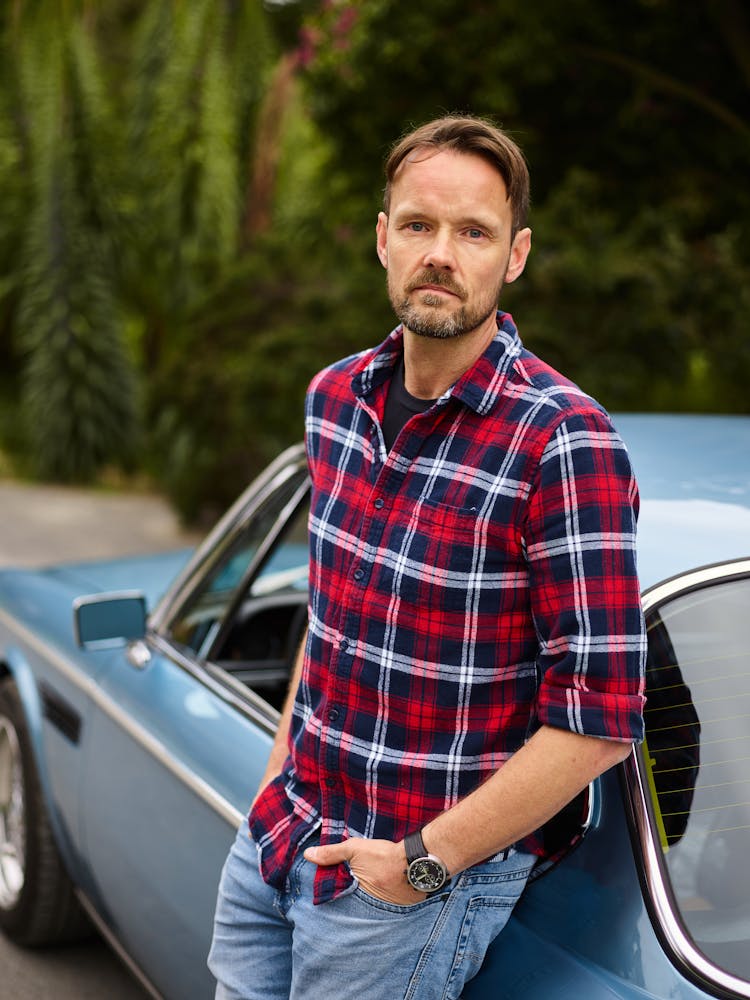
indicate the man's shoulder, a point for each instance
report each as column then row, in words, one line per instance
column 554, row 396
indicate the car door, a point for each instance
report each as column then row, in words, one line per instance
column 181, row 739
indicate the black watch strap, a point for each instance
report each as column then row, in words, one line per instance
column 414, row 846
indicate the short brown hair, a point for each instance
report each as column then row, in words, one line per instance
column 467, row 134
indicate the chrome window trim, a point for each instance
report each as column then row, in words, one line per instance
column 692, row 579
column 658, row 892
column 213, row 547
column 241, row 697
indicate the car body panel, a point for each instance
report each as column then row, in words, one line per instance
column 157, row 880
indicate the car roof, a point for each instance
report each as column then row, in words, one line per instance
column 693, row 474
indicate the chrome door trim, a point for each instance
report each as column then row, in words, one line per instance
column 658, row 894
column 240, row 697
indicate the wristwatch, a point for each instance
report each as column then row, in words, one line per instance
column 424, row 871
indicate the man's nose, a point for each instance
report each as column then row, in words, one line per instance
column 440, row 253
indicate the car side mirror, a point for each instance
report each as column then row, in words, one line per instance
column 104, row 621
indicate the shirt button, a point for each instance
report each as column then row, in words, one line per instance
column 344, row 644
column 380, row 503
column 359, row 574
column 331, row 782
column 333, row 714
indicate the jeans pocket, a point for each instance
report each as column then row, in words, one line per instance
column 395, row 908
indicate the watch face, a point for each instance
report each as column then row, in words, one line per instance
column 426, row 874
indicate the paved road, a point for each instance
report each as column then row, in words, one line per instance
column 80, row 972
column 38, row 526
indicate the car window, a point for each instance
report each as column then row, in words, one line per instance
column 258, row 640
column 244, row 558
column 697, row 757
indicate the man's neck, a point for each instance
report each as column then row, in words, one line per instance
column 433, row 365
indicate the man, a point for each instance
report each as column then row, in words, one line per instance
column 475, row 648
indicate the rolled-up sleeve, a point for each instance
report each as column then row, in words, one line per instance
column 580, row 538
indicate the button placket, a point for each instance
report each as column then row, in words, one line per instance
column 350, row 629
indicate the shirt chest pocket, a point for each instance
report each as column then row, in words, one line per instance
column 446, row 520
column 447, row 552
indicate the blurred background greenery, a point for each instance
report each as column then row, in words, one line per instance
column 189, row 191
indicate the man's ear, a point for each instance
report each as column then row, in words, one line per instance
column 381, row 230
column 519, row 251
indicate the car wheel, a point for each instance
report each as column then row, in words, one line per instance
column 37, row 903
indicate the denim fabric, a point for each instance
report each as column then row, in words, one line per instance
column 271, row 945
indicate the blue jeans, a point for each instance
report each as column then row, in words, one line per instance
column 271, row 945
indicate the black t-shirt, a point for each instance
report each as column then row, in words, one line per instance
column 400, row 406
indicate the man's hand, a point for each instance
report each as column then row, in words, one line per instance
column 378, row 866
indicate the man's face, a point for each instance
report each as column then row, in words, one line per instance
column 446, row 243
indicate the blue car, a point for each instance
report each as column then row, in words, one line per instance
column 139, row 699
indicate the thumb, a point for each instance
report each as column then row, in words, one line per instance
column 330, row 854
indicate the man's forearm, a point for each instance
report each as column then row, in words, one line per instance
column 534, row 784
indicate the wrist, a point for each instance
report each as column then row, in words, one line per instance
column 438, row 845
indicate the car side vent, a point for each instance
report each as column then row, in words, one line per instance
column 60, row 713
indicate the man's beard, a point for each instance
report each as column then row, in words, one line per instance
column 425, row 318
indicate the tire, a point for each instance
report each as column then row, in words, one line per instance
column 38, row 905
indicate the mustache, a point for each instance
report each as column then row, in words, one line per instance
column 439, row 279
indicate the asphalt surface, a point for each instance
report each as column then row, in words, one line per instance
column 41, row 525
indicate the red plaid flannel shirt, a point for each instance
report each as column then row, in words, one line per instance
column 476, row 582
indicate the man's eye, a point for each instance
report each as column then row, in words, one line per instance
column 475, row 234
column 416, row 227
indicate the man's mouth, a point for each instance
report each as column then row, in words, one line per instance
column 431, row 286
column 434, row 288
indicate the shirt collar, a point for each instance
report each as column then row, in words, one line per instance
column 479, row 387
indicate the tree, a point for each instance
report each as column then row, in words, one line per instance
column 133, row 125
column 190, row 192
column 78, row 395
column 638, row 282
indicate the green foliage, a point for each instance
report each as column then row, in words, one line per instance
column 188, row 217
column 182, row 215
column 78, row 395
column 127, row 152
column 638, row 277
column 231, row 395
